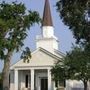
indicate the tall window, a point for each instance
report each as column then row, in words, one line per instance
column 26, row 81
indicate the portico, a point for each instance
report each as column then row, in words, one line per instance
column 38, row 79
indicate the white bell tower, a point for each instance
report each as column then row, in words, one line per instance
column 47, row 40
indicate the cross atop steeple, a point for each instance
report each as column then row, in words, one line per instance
column 47, row 18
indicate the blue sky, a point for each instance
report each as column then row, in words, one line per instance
column 61, row 31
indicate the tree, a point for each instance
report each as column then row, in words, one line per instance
column 76, row 65
column 15, row 21
column 76, row 15
column 57, row 76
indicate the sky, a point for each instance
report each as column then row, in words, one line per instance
column 61, row 31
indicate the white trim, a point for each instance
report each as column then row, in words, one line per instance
column 50, row 53
column 36, row 68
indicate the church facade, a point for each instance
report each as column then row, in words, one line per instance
column 36, row 75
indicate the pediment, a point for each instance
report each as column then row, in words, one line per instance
column 40, row 57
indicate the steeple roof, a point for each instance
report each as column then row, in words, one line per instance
column 47, row 18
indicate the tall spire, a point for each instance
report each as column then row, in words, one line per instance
column 47, row 19
column 47, row 40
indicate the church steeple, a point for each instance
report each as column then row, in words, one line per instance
column 47, row 40
column 47, row 18
column 47, row 25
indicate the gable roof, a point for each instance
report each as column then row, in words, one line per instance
column 57, row 52
column 40, row 57
column 49, row 53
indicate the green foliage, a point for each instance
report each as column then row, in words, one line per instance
column 76, row 15
column 15, row 20
column 76, row 65
column 0, row 76
column 56, row 72
column 26, row 55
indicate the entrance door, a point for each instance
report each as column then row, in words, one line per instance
column 44, row 84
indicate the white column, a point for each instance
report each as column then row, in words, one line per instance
column 16, row 79
column 32, row 79
column 54, row 88
column 88, row 84
column 49, row 80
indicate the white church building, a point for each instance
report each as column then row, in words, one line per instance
column 36, row 75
